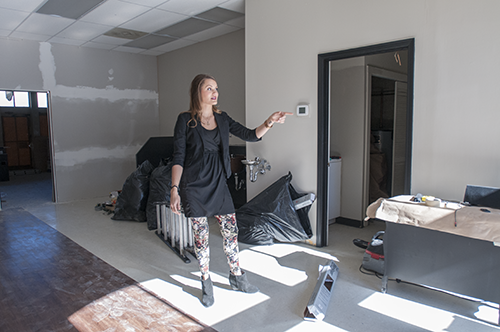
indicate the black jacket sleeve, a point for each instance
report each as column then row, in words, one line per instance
column 240, row 131
column 180, row 139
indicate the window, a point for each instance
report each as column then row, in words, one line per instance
column 14, row 99
column 42, row 99
column 6, row 99
column 21, row 99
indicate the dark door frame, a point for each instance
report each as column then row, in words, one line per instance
column 324, row 121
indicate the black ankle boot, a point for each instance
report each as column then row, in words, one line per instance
column 241, row 283
column 208, row 292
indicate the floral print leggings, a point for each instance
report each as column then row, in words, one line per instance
column 229, row 231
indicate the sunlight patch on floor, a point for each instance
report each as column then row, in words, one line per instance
column 281, row 250
column 228, row 303
column 487, row 314
column 411, row 312
column 319, row 326
column 131, row 309
column 269, row 267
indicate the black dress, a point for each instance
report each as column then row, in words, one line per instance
column 209, row 194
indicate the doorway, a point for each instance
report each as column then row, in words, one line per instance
column 16, row 138
column 25, row 139
column 386, row 114
column 324, row 90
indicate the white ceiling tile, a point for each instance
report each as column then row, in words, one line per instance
column 84, row 31
column 190, row 7
column 10, row 19
column 154, row 20
column 66, row 41
column 179, row 43
column 237, row 22
column 114, row 12
column 148, row 3
column 99, row 45
column 110, row 40
column 216, row 31
column 235, row 5
column 44, row 24
column 128, row 49
column 18, row 20
column 29, row 36
column 150, row 52
column 22, row 5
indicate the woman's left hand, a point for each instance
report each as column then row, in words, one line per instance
column 279, row 117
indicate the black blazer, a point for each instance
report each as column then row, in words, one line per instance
column 188, row 144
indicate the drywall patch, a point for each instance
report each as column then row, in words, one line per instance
column 74, row 158
column 109, row 93
column 47, row 66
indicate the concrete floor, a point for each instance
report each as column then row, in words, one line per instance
column 285, row 273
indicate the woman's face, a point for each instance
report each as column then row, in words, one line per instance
column 209, row 92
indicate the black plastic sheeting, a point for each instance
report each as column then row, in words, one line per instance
column 159, row 191
column 271, row 216
column 132, row 200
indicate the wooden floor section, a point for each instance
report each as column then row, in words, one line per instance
column 50, row 283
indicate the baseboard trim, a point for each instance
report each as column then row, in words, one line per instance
column 349, row 222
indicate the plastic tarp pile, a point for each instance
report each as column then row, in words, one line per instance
column 159, row 191
column 132, row 201
column 141, row 191
column 271, row 216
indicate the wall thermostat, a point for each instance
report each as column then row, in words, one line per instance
column 302, row 110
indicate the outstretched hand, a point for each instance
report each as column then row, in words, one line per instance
column 279, row 117
column 276, row 117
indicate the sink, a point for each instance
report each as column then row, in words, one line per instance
column 250, row 162
column 256, row 167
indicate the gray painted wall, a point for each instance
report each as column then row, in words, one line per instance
column 223, row 57
column 455, row 86
column 347, row 134
column 103, row 108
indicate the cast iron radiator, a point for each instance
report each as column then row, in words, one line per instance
column 175, row 230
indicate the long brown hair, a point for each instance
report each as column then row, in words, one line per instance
column 195, row 98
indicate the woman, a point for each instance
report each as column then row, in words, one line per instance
column 201, row 166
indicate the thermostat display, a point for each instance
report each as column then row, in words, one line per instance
column 302, row 110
